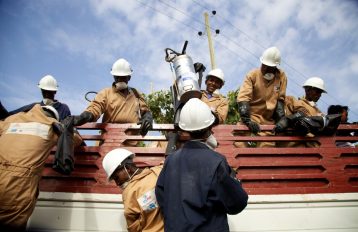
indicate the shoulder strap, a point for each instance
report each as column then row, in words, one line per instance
column 136, row 93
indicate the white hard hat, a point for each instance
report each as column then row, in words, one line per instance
column 195, row 115
column 217, row 73
column 121, row 68
column 53, row 110
column 315, row 82
column 114, row 159
column 271, row 57
column 48, row 82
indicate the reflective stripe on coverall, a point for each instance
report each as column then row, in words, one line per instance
column 263, row 96
column 25, row 143
column 141, row 209
column 218, row 104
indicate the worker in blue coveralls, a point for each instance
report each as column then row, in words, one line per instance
column 49, row 87
column 197, row 188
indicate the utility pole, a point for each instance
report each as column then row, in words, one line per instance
column 208, row 33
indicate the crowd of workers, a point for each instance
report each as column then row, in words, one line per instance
column 195, row 189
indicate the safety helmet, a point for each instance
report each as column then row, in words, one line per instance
column 271, row 57
column 114, row 159
column 48, row 82
column 121, row 68
column 52, row 110
column 217, row 73
column 315, row 82
column 195, row 115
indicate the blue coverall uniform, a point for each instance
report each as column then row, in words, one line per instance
column 196, row 192
column 62, row 109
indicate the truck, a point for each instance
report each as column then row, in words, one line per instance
column 290, row 188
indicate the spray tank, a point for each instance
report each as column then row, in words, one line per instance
column 186, row 84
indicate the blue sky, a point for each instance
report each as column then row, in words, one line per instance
column 77, row 42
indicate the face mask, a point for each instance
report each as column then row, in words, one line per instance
column 211, row 142
column 269, row 76
column 125, row 184
column 121, row 85
column 312, row 103
column 47, row 101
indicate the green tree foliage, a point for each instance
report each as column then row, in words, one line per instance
column 161, row 106
column 233, row 115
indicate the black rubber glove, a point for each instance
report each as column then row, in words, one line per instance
column 332, row 123
column 199, row 67
column 279, row 111
column 172, row 138
column 288, row 121
column 306, row 125
column 81, row 119
column 244, row 111
column 293, row 118
column 281, row 125
column 146, row 123
column 58, row 128
column 253, row 126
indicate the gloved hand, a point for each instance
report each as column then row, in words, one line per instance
column 332, row 122
column 67, row 120
column 279, row 111
column 307, row 125
column 83, row 118
column 253, row 126
column 288, row 121
column 58, row 128
column 172, row 138
column 199, row 67
column 244, row 111
column 146, row 123
column 293, row 118
column 280, row 126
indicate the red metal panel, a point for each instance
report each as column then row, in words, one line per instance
column 278, row 170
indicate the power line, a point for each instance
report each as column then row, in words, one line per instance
column 200, row 22
column 169, row 16
column 303, row 76
column 228, row 38
column 230, row 23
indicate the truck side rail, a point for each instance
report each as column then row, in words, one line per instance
column 275, row 170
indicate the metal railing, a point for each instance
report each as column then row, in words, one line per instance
column 270, row 170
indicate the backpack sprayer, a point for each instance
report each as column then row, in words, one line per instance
column 186, row 85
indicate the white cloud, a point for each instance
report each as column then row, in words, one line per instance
column 353, row 63
column 327, row 18
column 315, row 38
